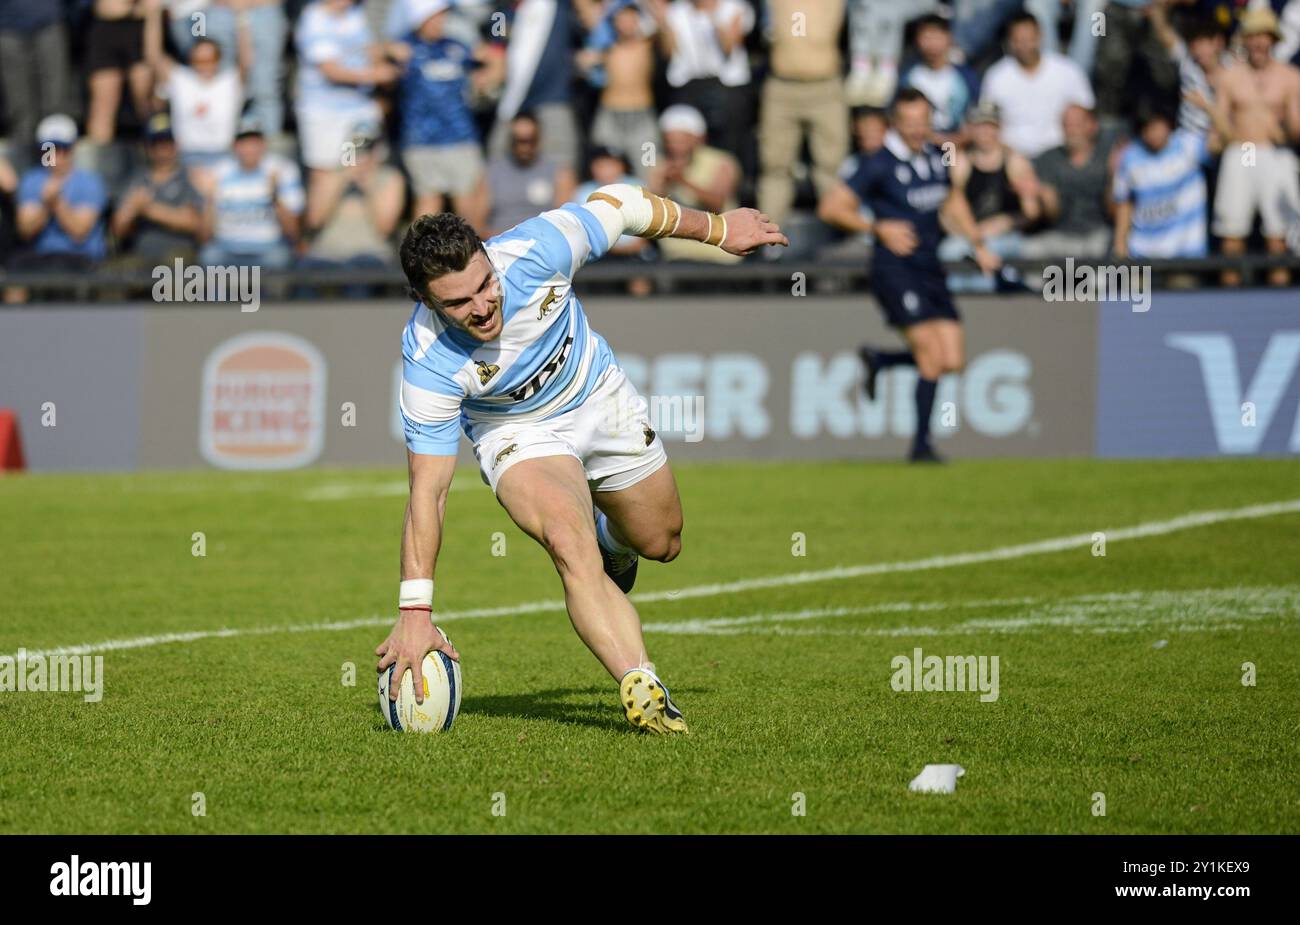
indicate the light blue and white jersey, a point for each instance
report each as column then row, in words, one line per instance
column 546, row 360
column 245, row 211
column 323, row 36
column 1167, row 188
column 952, row 91
column 1192, row 79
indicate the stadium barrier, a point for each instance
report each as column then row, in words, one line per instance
column 109, row 284
column 769, row 377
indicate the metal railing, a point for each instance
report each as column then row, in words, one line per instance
column 753, row 275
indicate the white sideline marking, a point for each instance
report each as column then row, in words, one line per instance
column 1002, row 553
column 1184, row 611
column 1059, row 544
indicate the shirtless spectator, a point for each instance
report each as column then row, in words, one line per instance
column 114, row 60
column 205, row 98
column 1261, row 100
column 625, row 118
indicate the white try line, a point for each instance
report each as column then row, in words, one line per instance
column 1000, row 554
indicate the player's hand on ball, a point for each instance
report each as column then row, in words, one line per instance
column 750, row 229
column 413, row 637
column 897, row 235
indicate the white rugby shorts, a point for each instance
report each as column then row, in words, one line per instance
column 609, row 434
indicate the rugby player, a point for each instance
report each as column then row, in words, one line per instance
column 906, row 188
column 499, row 346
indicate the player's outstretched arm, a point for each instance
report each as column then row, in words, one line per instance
column 414, row 634
column 626, row 209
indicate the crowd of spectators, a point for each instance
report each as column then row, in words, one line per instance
column 294, row 133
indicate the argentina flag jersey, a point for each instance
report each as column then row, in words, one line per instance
column 547, row 359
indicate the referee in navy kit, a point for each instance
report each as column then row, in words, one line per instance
column 905, row 186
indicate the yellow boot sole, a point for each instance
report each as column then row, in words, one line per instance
column 644, row 699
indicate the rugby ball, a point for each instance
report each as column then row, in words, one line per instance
column 442, row 687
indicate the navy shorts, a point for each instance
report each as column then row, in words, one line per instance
column 908, row 297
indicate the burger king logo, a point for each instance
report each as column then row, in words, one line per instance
column 263, row 403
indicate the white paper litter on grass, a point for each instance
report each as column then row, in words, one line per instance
column 937, row 778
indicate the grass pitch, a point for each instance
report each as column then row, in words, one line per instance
column 1119, row 675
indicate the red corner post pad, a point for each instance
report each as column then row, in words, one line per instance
column 11, row 445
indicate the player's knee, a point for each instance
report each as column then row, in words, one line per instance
column 572, row 548
column 930, row 364
column 664, row 547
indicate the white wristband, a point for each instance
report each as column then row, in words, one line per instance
column 415, row 591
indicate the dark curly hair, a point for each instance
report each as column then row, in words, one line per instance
column 434, row 246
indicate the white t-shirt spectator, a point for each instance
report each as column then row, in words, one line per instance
column 1032, row 103
column 204, row 112
column 697, row 53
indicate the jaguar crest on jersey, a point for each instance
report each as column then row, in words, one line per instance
column 547, row 304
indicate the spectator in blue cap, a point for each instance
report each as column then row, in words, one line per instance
column 60, row 206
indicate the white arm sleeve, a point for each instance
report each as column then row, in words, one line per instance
column 621, row 209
